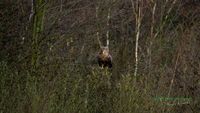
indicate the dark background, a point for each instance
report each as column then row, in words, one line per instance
column 48, row 60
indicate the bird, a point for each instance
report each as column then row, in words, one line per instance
column 104, row 58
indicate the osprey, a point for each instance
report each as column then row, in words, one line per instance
column 104, row 58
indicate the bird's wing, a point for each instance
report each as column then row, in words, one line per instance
column 110, row 57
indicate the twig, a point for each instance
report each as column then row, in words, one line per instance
column 172, row 80
column 32, row 10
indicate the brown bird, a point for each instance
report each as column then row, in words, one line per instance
column 104, row 58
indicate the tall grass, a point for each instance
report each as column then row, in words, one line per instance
column 70, row 92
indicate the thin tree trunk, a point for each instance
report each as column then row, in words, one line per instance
column 61, row 5
column 38, row 22
column 138, row 17
column 149, row 50
column 98, row 28
column 108, row 26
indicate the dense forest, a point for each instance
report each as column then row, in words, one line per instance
column 49, row 48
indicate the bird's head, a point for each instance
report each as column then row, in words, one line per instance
column 104, row 51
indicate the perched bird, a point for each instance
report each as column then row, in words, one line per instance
column 104, row 58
